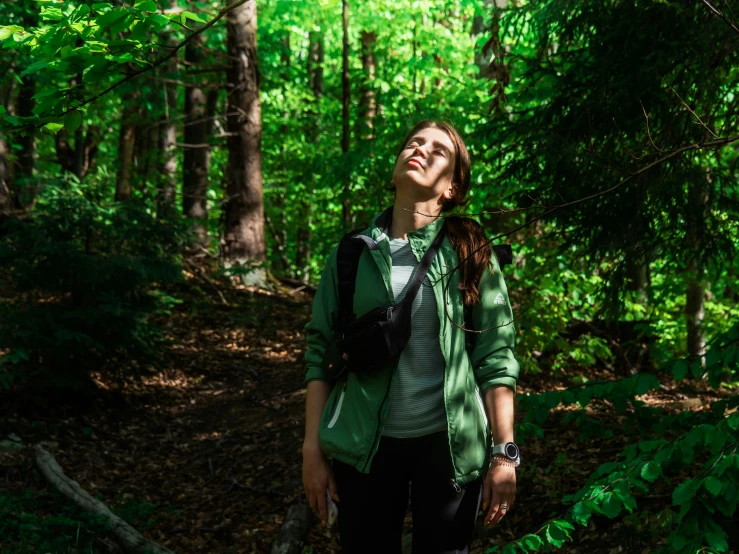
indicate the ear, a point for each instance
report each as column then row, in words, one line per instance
column 449, row 193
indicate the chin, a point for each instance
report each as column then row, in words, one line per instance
column 409, row 178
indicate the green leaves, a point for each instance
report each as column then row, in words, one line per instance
column 611, row 505
column 650, row 471
column 72, row 121
column 146, row 5
column 713, row 485
column 5, row 32
column 189, row 15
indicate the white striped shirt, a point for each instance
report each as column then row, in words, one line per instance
column 417, row 394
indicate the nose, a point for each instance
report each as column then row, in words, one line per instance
column 419, row 151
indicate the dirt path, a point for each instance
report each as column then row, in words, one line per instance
column 213, row 443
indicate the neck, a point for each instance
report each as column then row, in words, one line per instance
column 407, row 218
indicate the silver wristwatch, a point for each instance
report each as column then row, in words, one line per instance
column 508, row 450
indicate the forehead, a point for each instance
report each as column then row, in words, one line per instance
column 430, row 134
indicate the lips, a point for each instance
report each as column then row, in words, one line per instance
column 414, row 162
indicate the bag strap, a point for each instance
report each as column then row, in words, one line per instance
column 347, row 262
column 422, row 268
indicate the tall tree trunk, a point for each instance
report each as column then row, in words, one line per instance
column 126, row 141
column 490, row 57
column 367, row 103
column 637, row 276
column 695, row 310
column 482, row 55
column 79, row 142
column 345, row 100
column 24, row 178
column 146, row 139
column 6, row 198
column 243, row 241
column 168, row 133
column 422, row 86
column 279, row 232
column 696, row 208
column 7, row 201
column 199, row 111
column 315, row 79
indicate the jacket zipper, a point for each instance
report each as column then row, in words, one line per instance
column 379, row 414
column 338, row 407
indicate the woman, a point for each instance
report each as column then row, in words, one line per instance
column 420, row 420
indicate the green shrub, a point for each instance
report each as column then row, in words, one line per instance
column 80, row 284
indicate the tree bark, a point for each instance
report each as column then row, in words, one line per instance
column 7, row 202
column 367, row 102
column 279, row 232
column 126, row 141
column 315, row 79
column 25, row 180
column 482, row 55
column 168, row 133
column 289, row 539
column 77, row 159
column 696, row 212
column 6, row 197
column 346, row 212
column 243, row 241
column 199, row 111
column 490, row 57
column 695, row 311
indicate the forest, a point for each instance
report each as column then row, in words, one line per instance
column 174, row 174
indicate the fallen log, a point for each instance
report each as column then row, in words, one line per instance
column 289, row 539
column 130, row 540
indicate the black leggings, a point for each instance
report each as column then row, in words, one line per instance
column 372, row 506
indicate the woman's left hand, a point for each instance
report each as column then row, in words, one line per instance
column 498, row 487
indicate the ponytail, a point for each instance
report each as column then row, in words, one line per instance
column 467, row 236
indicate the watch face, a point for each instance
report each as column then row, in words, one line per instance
column 511, row 450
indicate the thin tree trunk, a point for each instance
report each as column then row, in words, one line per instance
column 146, row 137
column 199, row 110
column 243, row 241
column 279, row 232
column 367, row 102
column 697, row 204
column 345, row 100
column 422, row 86
column 637, row 276
column 6, row 198
column 315, row 78
column 168, row 133
column 6, row 175
column 695, row 311
column 79, row 142
column 25, row 180
column 126, row 141
column 482, row 56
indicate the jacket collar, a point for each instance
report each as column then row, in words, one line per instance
column 420, row 239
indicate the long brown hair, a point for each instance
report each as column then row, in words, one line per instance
column 465, row 234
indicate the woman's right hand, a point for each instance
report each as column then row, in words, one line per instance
column 317, row 477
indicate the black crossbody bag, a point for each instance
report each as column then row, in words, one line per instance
column 379, row 336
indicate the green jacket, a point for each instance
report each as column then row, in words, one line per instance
column 352, row 421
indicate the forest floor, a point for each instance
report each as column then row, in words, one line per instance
column 204, row 456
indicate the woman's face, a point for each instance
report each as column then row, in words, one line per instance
column 425, row 168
